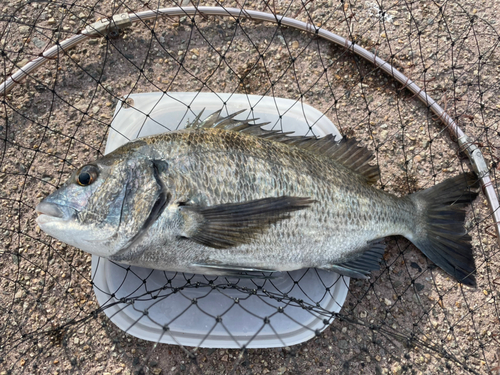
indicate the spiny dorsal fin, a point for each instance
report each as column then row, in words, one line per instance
column 215, row 120
column 346, row 151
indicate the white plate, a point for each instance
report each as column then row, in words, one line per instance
column 215, row 312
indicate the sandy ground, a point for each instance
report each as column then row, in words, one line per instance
column 408, row 318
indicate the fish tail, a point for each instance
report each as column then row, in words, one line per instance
column 439, row 231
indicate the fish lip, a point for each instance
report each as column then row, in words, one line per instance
column 49, row 209
column 51, row 212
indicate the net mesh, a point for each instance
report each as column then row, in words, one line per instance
column 409, row 317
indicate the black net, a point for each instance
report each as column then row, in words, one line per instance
column 409, row 317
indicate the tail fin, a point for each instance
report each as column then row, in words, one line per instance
column 440, row 233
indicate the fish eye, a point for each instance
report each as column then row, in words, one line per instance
column 87, row 175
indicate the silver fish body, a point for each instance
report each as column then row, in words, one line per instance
column 224, row 197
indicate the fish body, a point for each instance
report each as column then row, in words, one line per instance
column 225, row 197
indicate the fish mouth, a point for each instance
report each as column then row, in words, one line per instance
column 48, row 212
column 50, row 209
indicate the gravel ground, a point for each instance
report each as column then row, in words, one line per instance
column 408, row 318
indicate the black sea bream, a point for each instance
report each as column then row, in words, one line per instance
column 225, row 197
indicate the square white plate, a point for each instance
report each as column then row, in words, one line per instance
column 208, row 311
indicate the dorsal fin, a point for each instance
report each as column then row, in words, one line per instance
column 346, row 151
column 215, row 120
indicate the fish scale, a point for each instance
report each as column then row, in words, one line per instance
column 201, row 154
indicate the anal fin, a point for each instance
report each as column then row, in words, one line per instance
column 363, row 265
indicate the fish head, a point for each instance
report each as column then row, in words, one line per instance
column 106, row 205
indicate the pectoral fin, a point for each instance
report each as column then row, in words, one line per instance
column 233, row 224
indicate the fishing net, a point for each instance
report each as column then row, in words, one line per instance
column 372, row 68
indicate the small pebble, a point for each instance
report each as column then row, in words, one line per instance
column 397, row 369
column 38, row 43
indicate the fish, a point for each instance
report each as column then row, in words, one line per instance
column 226, row 197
